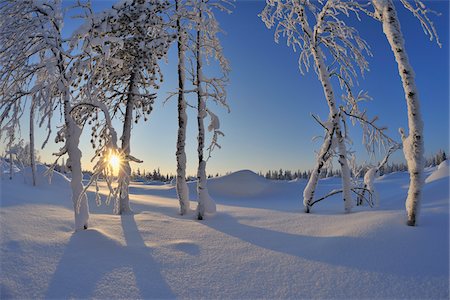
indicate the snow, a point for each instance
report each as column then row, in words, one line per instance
column 442, row 171
column 259, row 244
column 4, row 167
column 243, row 183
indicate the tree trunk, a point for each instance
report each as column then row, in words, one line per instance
column 308, row 192
column 413, row 145
column 205, row 203
column 125, row 170
column 32, row 154
column 334, row 117
column 73, row 133
column 11, row 155
column 181, row 185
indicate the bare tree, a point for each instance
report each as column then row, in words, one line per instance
column 413, row 143
column 329, row 37
column 207, row 47
column 181, row 185
column 32, row 153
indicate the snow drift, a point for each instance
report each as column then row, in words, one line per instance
column 54, row 178
column 243, row 183
column 266, row 250
column 442, row 171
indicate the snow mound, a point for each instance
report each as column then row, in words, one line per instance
column 235, row 254
column 42, row 179
column 442, row 171
column 56, row 178
column 244, row 183
column 4, row 167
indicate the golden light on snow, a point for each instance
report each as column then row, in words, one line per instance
column 114, row 162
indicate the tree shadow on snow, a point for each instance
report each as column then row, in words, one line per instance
column 93, row 261
column 376, row 254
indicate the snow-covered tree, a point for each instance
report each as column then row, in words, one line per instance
column 181, row 185
column 370, row 175
column 124, row 45
column 413, row 142
column 11, row 150
column 107, row 151
column 32, row 153
column 329, row 37
column 14, row 81
column 32, row 37
column 207, row 47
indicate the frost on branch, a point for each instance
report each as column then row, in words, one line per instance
column 121, row 69
column 328, row 39
column 413, row 144
column 205, row 47
column 35, row 55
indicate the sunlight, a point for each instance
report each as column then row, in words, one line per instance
column 114, row 162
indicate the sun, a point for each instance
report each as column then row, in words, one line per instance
column 114, row 162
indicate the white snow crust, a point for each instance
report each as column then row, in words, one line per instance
column 442, row 171
column 260, row 244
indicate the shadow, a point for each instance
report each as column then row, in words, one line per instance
column 377, row 254
column 92, row 260
column 164, row 191
column 186, row 247
column 149, row 280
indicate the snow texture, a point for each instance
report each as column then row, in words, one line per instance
column 442, row 171
column 257, row 246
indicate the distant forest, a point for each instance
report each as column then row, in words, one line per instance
column 280, row 174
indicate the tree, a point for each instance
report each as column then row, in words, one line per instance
column 106, row 150
column 329, row 36
column 413, row 144
column 207, row 47
column 124, row 57
column 33, row 29
column 32, row 154
column 181, row 185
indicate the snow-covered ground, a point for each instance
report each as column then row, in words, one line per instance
column 260, row 244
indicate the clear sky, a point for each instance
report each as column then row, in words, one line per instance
column 270, row 126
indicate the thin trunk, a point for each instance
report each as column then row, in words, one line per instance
column 125, row 170
column 308, row 193
column 205, row 203
column 32, row 157
column 10, row 156
column 181, row 185
column 413, row 144
column 334, row 116
column 73, row 133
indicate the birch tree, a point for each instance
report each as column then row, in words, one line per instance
column 207, row 47
column 331, row 37
column 32, row 153
column 181, row 185
column 413, row 141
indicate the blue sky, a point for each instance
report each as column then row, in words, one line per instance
column 270, row 126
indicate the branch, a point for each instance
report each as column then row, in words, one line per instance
column 354, row 190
